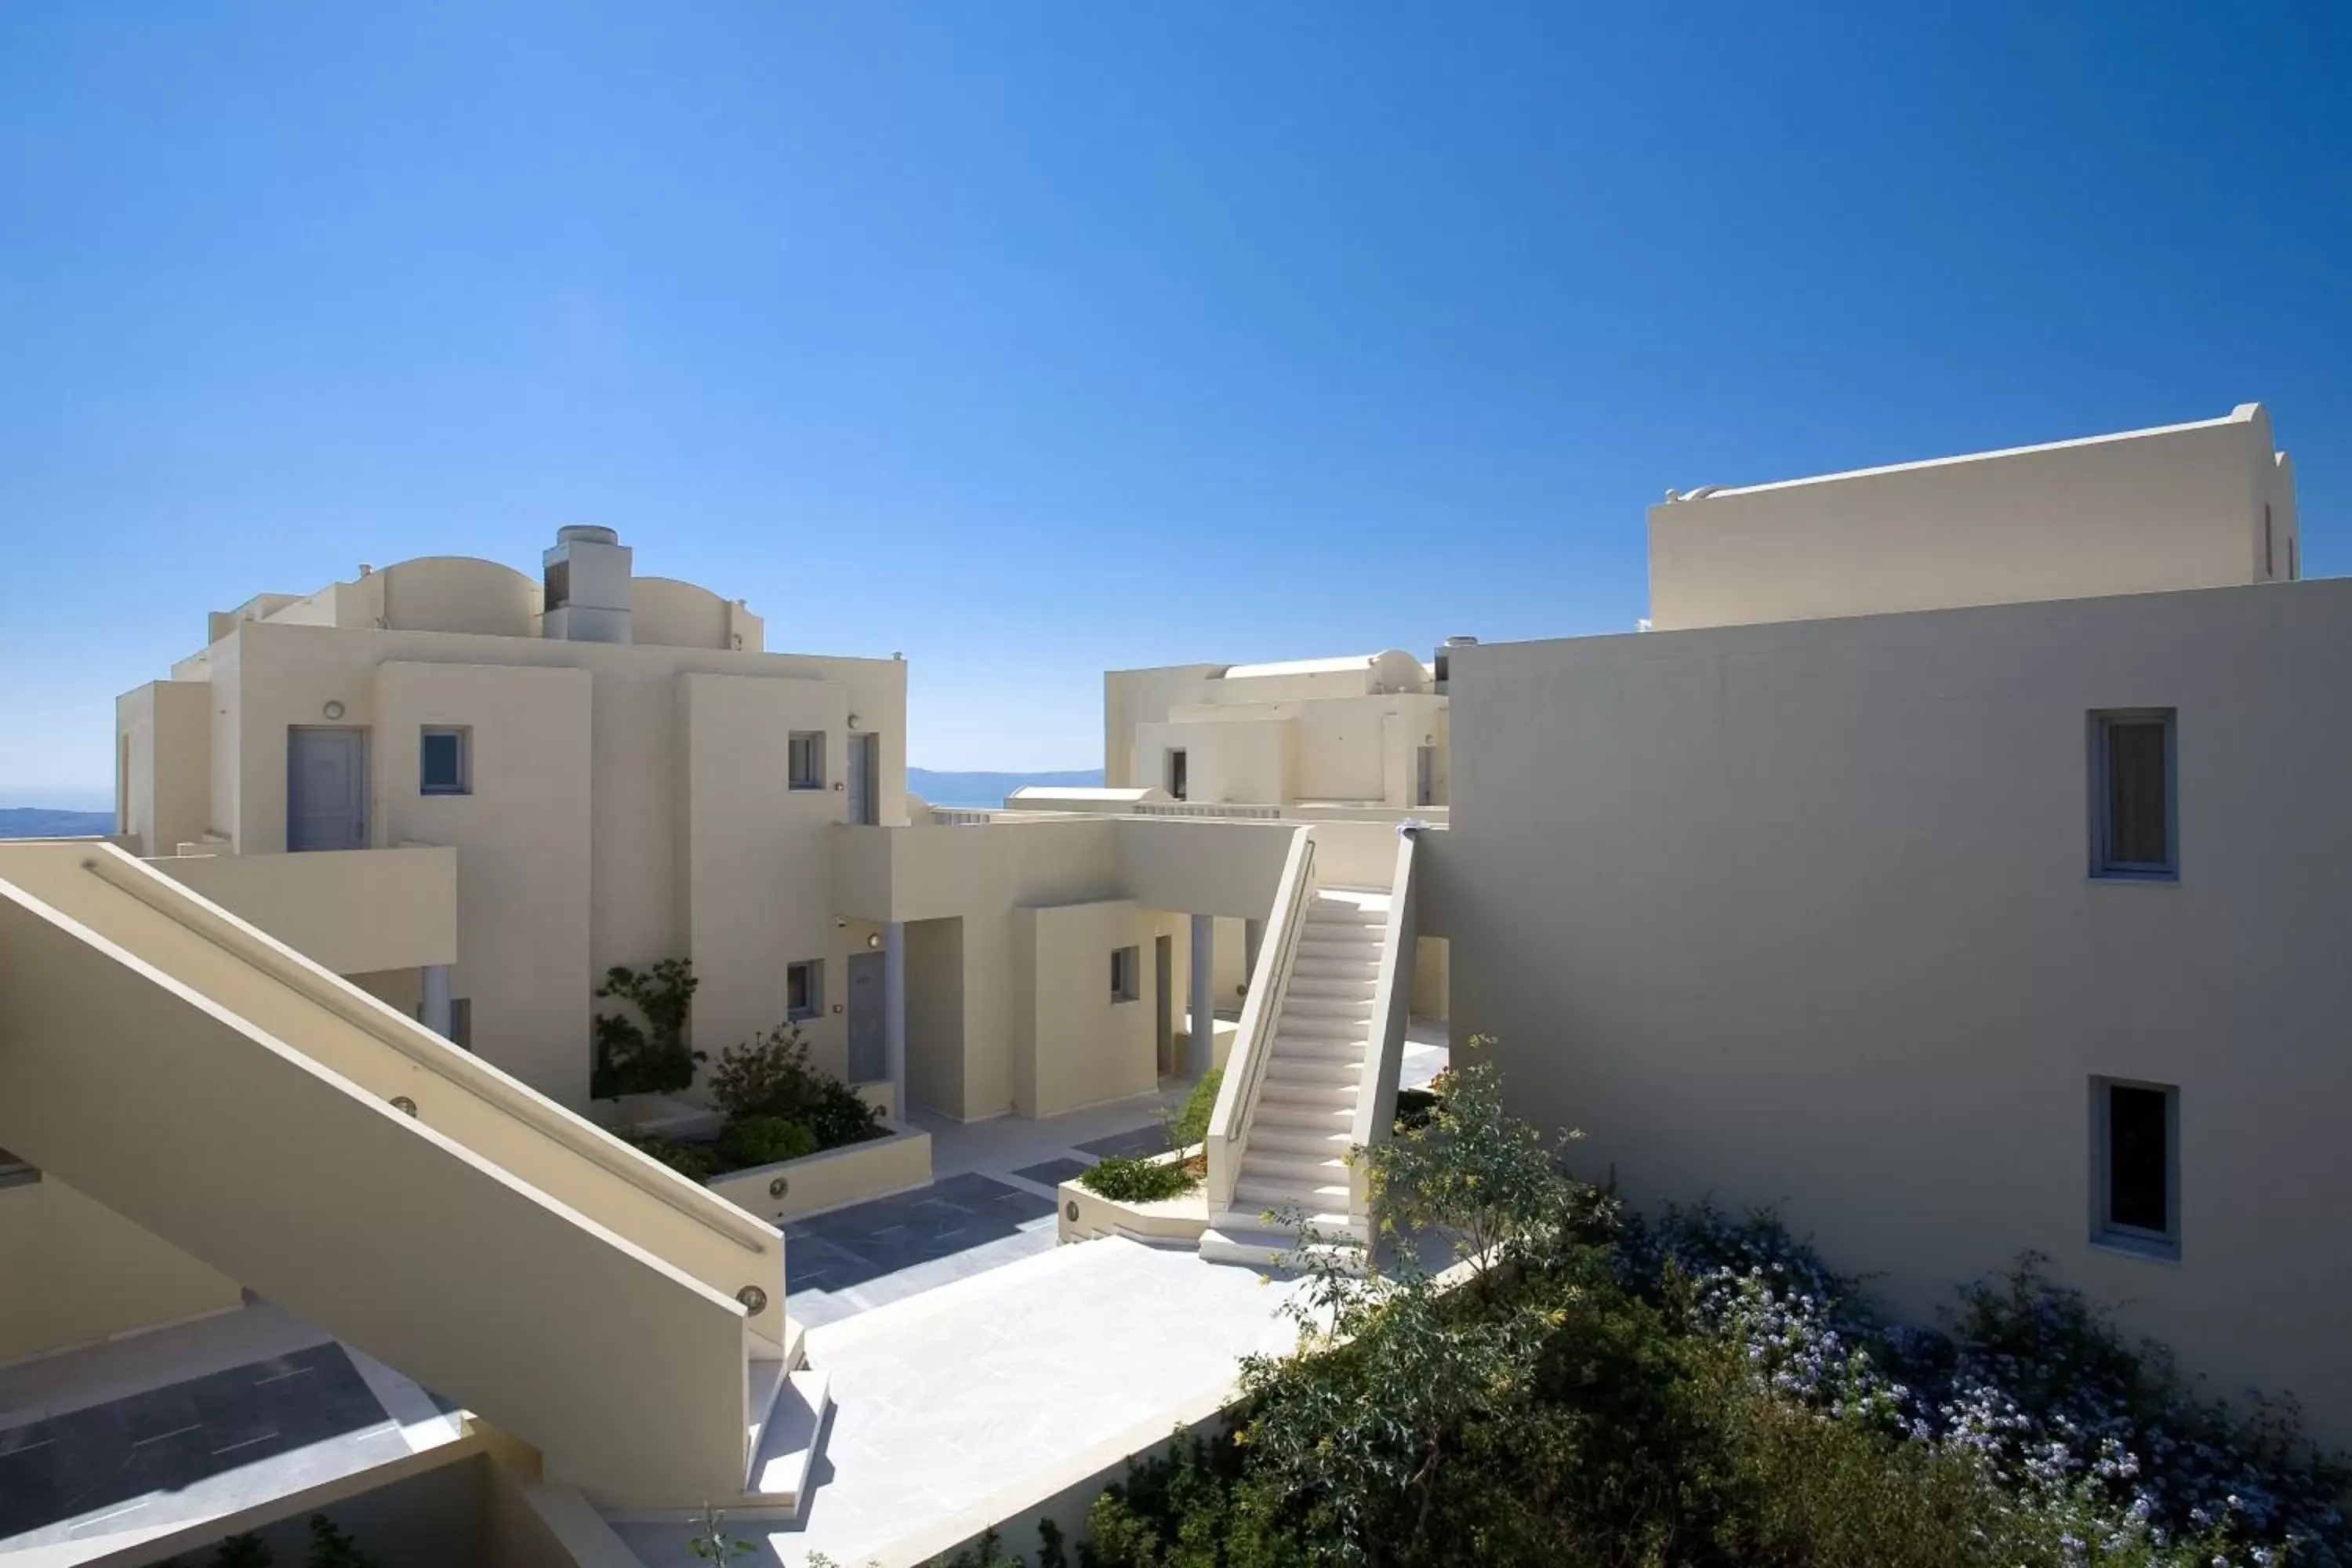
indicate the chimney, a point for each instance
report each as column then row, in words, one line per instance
column 586, row 573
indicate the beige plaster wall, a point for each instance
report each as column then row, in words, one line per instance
column 167, row 727
column 2180, row 507
column 1798, row 914
column 73, row 1270
column 351, row 910
column 1083, row 1046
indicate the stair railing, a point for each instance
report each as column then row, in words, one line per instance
column 1392, row 1011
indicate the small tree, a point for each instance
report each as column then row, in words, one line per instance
column 652, row 1057
column 1491, row 1185
column 710, row 1540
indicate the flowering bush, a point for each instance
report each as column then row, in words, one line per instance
column 2098, row 1436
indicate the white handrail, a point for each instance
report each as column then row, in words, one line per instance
column 1252, row 1045
column 176, row 903
column 1392, row 1010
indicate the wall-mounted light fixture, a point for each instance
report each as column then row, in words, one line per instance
column 332, row 710
column 839, row 923
column 837, row 1006
column 853, row 720
column 873, row 939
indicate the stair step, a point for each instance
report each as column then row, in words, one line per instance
column 1324, row 1197
column 1337, row 987
column 1270, row 1137
column 1297, row 1120
column 1314, row 1074
column 1308, row 1048
column 1253, row 1247
column 1293, row 1172
column 1307, row 1097
column 1334, row 948
column 1366, row 969
column 786, row 1451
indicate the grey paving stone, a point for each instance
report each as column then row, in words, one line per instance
column 1135, row 1142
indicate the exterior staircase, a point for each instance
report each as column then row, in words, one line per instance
column 1294, row 1190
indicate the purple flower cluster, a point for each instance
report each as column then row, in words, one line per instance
column 2095, row 1434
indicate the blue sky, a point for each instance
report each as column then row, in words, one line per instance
column 1033, row 339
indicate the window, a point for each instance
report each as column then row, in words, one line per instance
column 2135, row 805
column 1176, row 771
column 16, row 1173
column 804, row 990
column 445, row 762
column 2136, row 1179
column 1126, row 974
column 807, row 759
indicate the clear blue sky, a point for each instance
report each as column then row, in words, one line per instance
column 1033, row 340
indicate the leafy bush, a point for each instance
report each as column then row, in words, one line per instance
column 1696, row 1391
column 764, row 1140
column 695, row 1162
column 652, row 1057
column 1123, row 1179
column 1191, row 1124
column 770, row 1074
column 1415, row 1109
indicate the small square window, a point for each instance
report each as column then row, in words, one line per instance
column 807, row 759
column 2136, row 1174
column 2135, row 801
column 1126, row 974
column 446, row 761
column 804, row 990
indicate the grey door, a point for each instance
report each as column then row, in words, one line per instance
column 1424, row 769
column 866, row 778
column 326, row 788
column 868, row 1054
column 1163, row 992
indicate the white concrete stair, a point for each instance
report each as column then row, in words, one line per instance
column 1302, row 1124
column 788, row 1411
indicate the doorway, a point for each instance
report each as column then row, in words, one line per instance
column 1163, row 991
column 865, row 779
column 326, row 787
column 869, row 1052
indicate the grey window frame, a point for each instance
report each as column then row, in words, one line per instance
column 2105, row 1232
column 464, row 735
column 812, row 990
column 813, row 742
column 1126, row 974
column 2105, row 866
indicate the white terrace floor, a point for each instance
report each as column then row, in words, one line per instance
column 971, row 1387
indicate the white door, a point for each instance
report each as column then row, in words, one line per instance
column 326, row 788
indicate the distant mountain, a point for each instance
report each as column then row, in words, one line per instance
column 990, row 789
column 40, row 822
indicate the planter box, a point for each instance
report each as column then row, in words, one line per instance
column 656, row 1115
column 1084, row 1214
column 792, row 1189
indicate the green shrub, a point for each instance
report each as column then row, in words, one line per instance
column 770, row 1076
column 652, row 1057
column 1415, row 1109
column 840, row 1117
column 1127, row 1181
column 764, row 1140
column 1191, row 1125
column 695, row 1162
